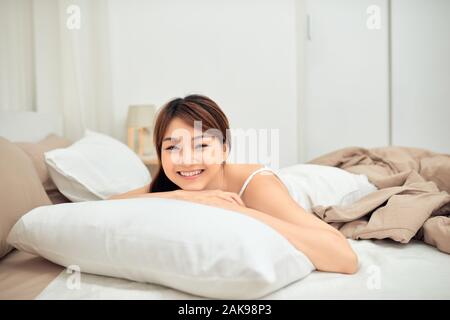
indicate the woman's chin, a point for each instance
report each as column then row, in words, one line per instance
column 191, row 185
column 194, row 186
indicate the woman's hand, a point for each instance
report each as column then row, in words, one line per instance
column 217, row 198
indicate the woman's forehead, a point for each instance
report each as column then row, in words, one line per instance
column 179, row 129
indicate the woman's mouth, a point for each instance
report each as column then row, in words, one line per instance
column 190, row 174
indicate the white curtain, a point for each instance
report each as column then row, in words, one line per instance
column 68, row 70
column 86, row 71
column 17, row 87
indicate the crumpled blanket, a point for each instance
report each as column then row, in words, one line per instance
column 412, row 200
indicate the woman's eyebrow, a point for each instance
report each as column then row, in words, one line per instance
column 174, row 139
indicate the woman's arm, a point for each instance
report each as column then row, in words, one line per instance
column 327, row 250
column 142, row 193
column 209, row 197
column 268, row 200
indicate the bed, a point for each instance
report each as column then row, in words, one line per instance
column 388, row 269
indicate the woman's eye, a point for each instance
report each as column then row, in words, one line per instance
column 171, row 148
column 201, row 146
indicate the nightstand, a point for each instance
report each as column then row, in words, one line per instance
column 151, row 163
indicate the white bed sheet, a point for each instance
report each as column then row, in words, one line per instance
column 388, row 270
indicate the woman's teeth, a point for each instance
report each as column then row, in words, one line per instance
column 190, row 173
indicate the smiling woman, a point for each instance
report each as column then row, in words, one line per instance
column 192, row 143
column 192, row 163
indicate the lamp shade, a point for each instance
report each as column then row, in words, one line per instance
column 141, row 116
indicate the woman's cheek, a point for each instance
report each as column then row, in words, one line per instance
column 169, row 159
column 167, row 166
column 212, row 156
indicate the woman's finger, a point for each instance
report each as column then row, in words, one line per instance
column 228, row 198
column 237, row 199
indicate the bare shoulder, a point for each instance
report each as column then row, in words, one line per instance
column 239, row 172
column 267, row 193
column 265, row 186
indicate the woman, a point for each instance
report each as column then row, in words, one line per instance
column 191, row 137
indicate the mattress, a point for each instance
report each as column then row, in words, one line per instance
column 388, row 270
column 24, row 276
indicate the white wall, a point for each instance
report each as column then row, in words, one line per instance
column 240, row 53
column 328, row 92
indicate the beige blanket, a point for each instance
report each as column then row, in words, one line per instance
column 413, row 199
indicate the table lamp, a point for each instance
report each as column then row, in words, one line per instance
column 141, row 119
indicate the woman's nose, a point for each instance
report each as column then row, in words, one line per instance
column 189, row 157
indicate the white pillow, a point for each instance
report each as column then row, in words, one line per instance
column 312, row 185
column 96, row 167
column 199, row 249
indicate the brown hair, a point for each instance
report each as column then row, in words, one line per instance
column 190, row 108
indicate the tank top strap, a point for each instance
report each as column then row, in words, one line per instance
column 247, row 181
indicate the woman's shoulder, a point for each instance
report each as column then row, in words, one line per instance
column 238, row 173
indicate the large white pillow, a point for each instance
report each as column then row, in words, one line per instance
column 199, row 249
column 96, row 167
column 313, row 185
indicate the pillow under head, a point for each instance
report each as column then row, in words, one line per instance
column 195, row 248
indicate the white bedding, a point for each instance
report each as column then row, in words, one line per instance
column 388, row 270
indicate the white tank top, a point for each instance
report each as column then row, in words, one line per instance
column 247, row 181
column 311, row 185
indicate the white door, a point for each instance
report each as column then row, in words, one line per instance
column 421, row 74
column 346, row 76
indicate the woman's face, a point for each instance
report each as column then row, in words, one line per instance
column 191, row 158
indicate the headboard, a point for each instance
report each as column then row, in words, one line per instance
column 29, row 126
